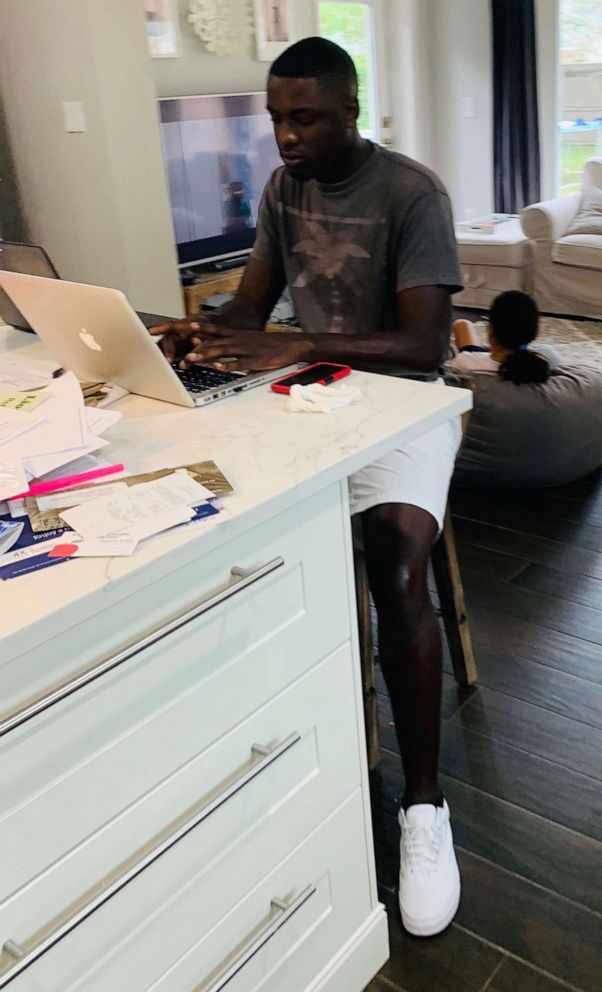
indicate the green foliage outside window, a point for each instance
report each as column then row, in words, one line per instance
column 580, row 31
column 580, row 23
column 348, row 24
column 572, row 160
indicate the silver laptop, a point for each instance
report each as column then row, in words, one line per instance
column 94, row 332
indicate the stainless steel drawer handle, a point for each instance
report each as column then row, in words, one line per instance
column 283, row 913
column 243, row 578
column 132, row 867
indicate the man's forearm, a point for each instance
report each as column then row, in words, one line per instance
column 238, row 315
column 383, row 351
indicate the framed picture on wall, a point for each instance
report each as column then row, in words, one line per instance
column 162, row 28
column 274, row 29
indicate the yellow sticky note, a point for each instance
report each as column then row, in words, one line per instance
column 22, row 401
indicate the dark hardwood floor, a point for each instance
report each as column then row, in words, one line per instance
column 521, row 756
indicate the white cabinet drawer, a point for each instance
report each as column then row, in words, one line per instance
column 166, row 932
column 92, row 757
column 251, row 807
column 306, row 603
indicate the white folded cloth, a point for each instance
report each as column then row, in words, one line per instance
column 317, row 398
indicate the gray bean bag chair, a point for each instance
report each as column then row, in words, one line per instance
column 533, row 435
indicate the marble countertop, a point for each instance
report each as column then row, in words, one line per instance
column 273, row 459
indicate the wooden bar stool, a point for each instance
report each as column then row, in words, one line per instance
column 444, row 562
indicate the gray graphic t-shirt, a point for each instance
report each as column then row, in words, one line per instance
column 348, row 248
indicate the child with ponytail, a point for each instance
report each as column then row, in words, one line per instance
column 513, row 326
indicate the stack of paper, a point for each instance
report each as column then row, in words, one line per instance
column 110, row 518
column 45, row 512
column 132, row 514
column 43, row 430
column 15, row 374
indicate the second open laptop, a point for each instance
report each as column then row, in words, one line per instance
column 16, row 257
column 94, row 332
column 33, row 260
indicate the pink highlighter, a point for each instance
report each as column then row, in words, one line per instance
column 69, row 481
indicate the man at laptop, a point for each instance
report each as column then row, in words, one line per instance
column 364, row 239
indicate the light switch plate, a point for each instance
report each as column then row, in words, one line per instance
column 468, row 106
column 74, row 116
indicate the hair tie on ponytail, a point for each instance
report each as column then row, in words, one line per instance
column 523, row 347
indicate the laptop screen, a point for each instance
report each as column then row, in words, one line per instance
column 31, row 260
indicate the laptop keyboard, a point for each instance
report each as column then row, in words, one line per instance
column 198, row 378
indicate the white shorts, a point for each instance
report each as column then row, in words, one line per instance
column 418, row 474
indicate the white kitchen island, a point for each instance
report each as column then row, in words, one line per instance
column 183, row 789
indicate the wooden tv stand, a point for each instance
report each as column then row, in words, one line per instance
column 210, row 284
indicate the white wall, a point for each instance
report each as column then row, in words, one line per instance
column 440, row 51
column 462, row 67
column 97, row 201
column 11, row 219
column 410, row 56
column 198, row 71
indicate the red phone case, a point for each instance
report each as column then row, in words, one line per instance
column 338, row 372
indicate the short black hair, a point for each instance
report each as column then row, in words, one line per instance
column 316, row 58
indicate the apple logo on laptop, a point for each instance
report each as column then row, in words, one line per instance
column 89, row 340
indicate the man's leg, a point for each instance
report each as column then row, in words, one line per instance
column 397, row 541
column 402, row 499
column 465, row 334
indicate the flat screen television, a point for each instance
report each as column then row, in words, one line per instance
column 219, row 152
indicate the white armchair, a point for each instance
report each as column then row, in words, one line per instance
column 568, row 267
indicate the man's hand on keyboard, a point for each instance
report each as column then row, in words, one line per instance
column 178, row 336
column 236, row 350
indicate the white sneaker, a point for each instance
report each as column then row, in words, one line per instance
column 429, row 880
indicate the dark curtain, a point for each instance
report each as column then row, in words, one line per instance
column 516, row 164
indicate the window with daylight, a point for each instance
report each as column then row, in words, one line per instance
column 580, row 124
column 351, row 24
